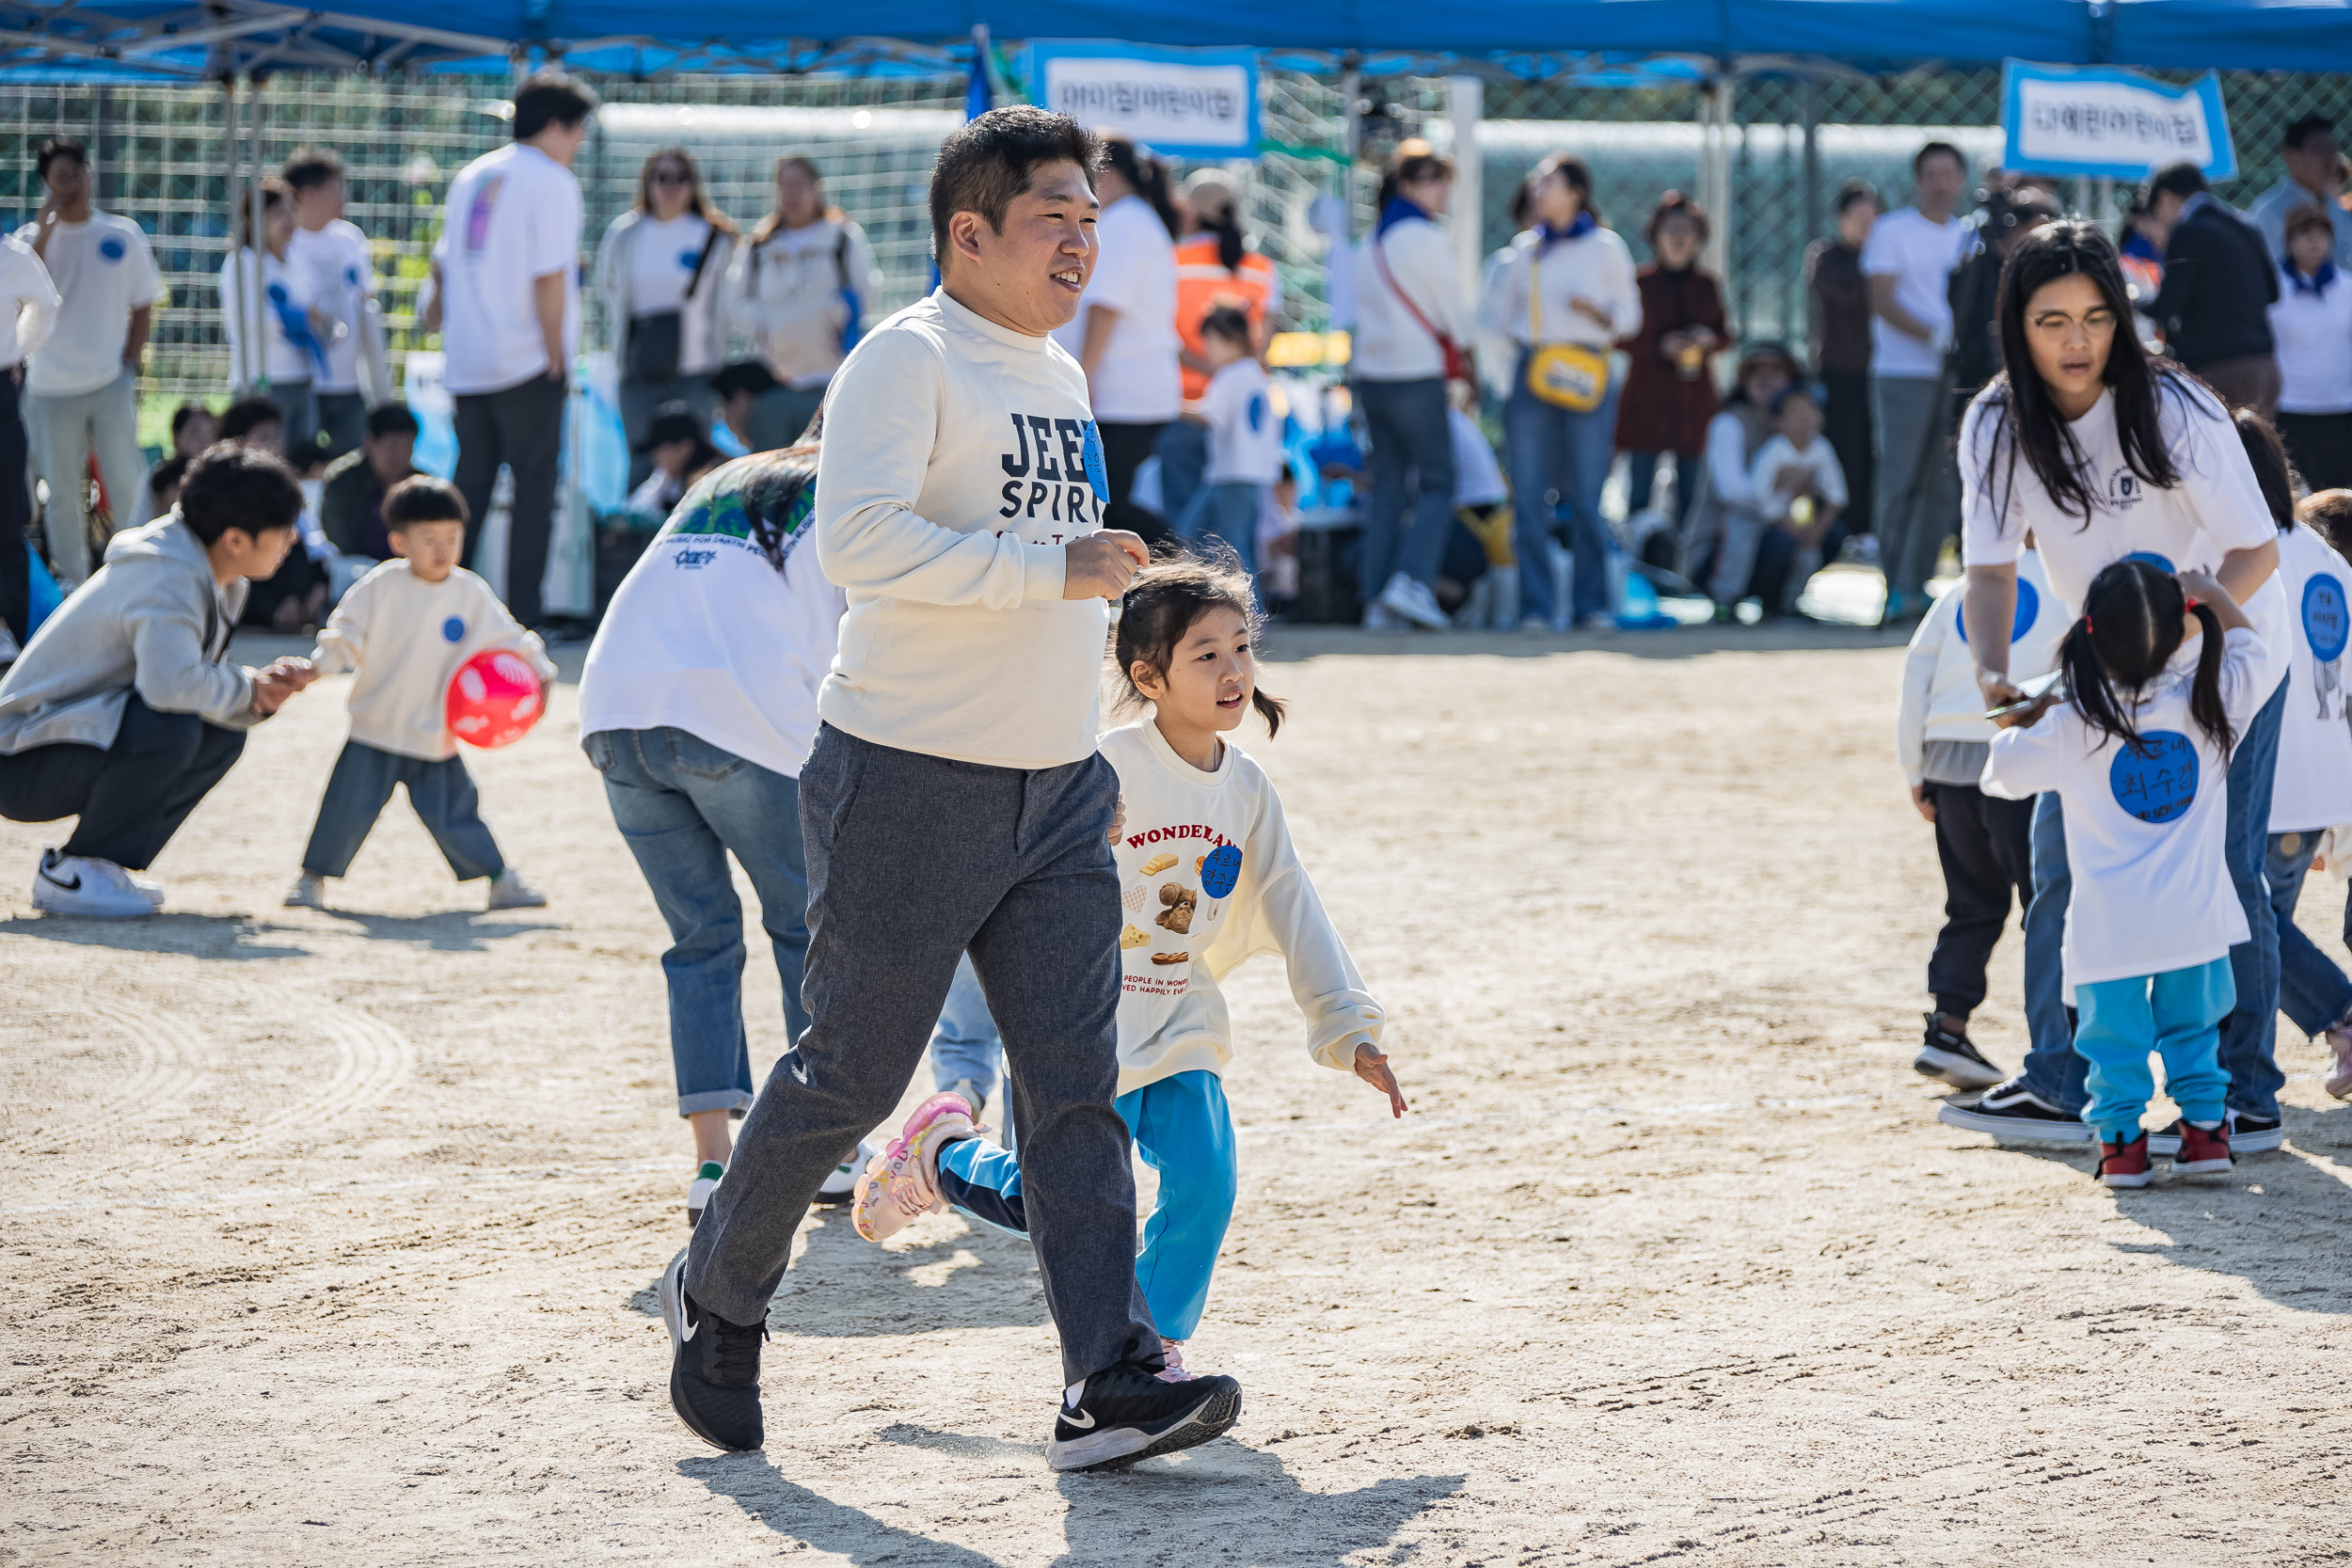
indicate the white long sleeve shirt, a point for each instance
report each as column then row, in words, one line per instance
column 960, row 459
column 285, row 296
column 1941, row 732
column 1595, row 266
column 1389, row 346
column 2144, row 834
column 406, row 638
column 1210, row 878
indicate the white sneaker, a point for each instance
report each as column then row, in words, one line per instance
column 1406, row 597
column 1376, row 617
column 75, row 884
column 309, row 893
column 1534, row 625
column 509, row 891
column 698, row 1191
column 841, row 1185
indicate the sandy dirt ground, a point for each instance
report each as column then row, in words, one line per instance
column 329, row 1237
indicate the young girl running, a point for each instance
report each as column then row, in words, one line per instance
column 1209, row 879
column 2138, row 754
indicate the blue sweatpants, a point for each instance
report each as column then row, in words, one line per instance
column 2178, row 1016
column 1184, row 1131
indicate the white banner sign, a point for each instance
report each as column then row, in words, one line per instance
column 1191, row 103
column 2094, row 120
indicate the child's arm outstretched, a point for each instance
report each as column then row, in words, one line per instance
column 502, row 631
column 1911, row 707
column 344, row 641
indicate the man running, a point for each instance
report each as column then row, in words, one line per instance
column 955, row 801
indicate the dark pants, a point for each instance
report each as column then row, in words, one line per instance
column 300, row 408
column 912, row 861
column 2250, row 381
column 1846, row 422
column 1412, row 467
column 293, row 580
column 441, row 792
column 16, row 511
column 132, row 796
column 1124, row 448
column 641, row 400
column 521, row 427
column 2320, row 446
column 1986, row 847
column 343, row 422
column 1183, row 463
column 1641, row 478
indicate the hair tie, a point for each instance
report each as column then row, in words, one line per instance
column 2190, row 601
column 2088, row 627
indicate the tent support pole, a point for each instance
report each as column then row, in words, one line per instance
column 1812, row 159
column 1351, row 84
column 258, row 355
column 1466, row 103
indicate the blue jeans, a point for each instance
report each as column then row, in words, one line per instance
column 442, row 793
column 965, row 1046
column 2053, row 1070
column 681, row 804
column 1228, row 510
column 1555, row 449
column 1183, row 458
column 1184, row 1131
column 2176, row 1015
column 1410, row 438
column 2312, row 991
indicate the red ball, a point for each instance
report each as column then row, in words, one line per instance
column 494, row 699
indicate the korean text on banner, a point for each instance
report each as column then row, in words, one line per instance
column 2094, row 120
column 1185, row 103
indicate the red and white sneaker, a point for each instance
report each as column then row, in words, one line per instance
column 901, row 1183
column 2125, row 1164
column 2203, row 1152
column 1172, row 1358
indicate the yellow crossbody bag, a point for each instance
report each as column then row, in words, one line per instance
column 1567, row 375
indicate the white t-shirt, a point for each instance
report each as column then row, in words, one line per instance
column 2312, row 789
column 1477, row 477
column 1389, row 344
column 1137, row 380
column 2144, row 834
column 406, row 638
column 28, row 302
column 1941, row 702
column 2216, row 507
column 284, row 312
column 959, row 458
column 104, row 270
column 1920, row 254
column 1244, row 431
column 513, row 216
column 2313, row 332
column 1818, row 462
column 707, row 635
column 1208, row 877
column 662, row 262
column 338, row 272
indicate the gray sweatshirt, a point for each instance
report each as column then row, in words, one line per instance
column 152, row 620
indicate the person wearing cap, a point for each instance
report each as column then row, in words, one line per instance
column 1215, row 270
column 680, row 448
column 1726, row 515
column 738, row 387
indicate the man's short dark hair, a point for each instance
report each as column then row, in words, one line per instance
column 2181, row 179
column 1227, row 322
column 239, row 486
column 550, row 98
column 985, row 164
column 422, row 499
column 313, row 167
column 241, row 419
column 56, row 148
column 186, row 411
column 1920, row 159
column 1856, row 190
column 393, row 419
column 2302, row 131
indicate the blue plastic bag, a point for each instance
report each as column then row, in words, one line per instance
column 42, row 595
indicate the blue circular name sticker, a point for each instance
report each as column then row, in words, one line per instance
column 112, row 249
column 2159, row 786
column 689, row 257
column 2327, row 617
column 1257, row 412
column 1098, row 471
column 2161, row 563
column 1220, row 869
column 2028, row 606
column 454, row 629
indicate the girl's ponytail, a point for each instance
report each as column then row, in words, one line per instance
column 2092, row 689
column 2204, row 696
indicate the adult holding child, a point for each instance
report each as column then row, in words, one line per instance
column 661, row 270
column 2101, row 455
column 955, row 801
column 804, row 286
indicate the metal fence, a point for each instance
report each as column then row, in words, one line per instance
column 161, row 157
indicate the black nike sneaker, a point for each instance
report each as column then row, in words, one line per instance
column 1127, row 1413
column 2015, row 1111
column 1953, row 1059
column 714, row 1367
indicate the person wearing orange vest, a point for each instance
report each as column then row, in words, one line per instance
column 1214, row 270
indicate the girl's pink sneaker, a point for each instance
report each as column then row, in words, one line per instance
column 1172, row 1359
column 901, row 1182
column 2339, row 1037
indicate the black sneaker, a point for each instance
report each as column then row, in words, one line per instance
column 1953, row 1059
column 714, row 1367
column 2012, row 1110
column 2247, row 1136
column 1127, row 1414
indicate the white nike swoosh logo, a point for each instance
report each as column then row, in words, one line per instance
column 800, row 1071
column 692, row 1329
column 1078, row 1419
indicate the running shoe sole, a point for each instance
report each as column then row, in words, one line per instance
column 2139, row 1179
column 1951, row 1067
column 2015, row 1128
column 1213, row 1418
column 2201, row 1167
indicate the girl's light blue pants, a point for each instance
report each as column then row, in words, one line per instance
column 2178, row 1016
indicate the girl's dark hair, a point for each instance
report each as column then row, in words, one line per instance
column 1161, row 605
column 778, row 493
column 1674, row 204
column 697, row 200
column 1149, row 176
column 1578, row 173
column 2272, row 471
column 2019, row 418
column 1223, row 220
column 1413, row 169
column 2130, row 628
column 1229, row 324
column 765, row 229
column 274, row 191
column 2329, row 514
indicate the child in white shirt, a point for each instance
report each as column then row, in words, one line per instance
column 1983, row 842
column 2138, row 753
column 1797, row 484
column 406, row 627
column 1211, row 878
column 1244, row 439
